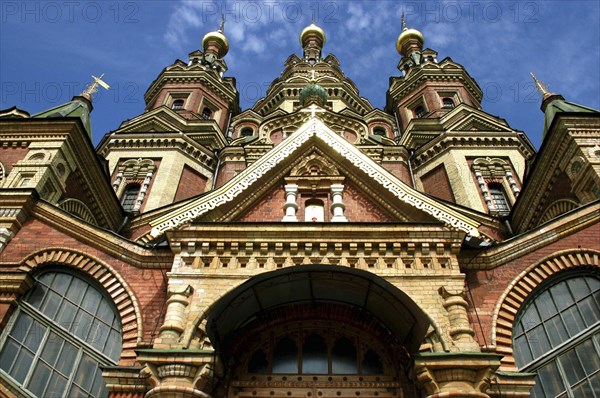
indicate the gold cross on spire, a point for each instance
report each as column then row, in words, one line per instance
column 222, row 26
column 93, row 87
column 540, row 86
column 313, row 109
column 403, row 22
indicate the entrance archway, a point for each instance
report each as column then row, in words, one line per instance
column 316, row 331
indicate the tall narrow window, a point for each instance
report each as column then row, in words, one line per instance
column 130, row 196
column 207, row 113
column 498, row 197
column 557, row 336
column 177, row 104
column 448, row 103
column 60, row 333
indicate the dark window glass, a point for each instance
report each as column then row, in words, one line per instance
column 379, row 131
column 448, row 103
column 207, row 113
column 343, row 357
column 420, row 111
column 371, row 363
column 177, row 104
column 44, row 362
column 258, row 363
column 285, row 356
column 246, row 132
column 130, row 196
column 314, row 355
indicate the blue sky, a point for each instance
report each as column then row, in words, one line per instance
column 48, row 50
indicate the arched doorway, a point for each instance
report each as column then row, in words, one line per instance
column 316, row 331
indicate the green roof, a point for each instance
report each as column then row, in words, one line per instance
column 77, row 107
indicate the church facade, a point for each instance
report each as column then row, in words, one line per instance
column 310, row 246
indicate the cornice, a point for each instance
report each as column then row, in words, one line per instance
column 104, row 241
column 542, row 236
column 156, row 141
column 220, row 87
column 462, row 140
column 402, row 87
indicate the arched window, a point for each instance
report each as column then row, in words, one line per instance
column 207, row 112
column 498, row 197
column 177, row 104
column 285, row 356
column 320, row 353
column 247, row 132
column 130, row 196
column 380, row 131
column 557, row 335
column 60, row 333
column 448, row 103
column 314, row 355
column 420, row 111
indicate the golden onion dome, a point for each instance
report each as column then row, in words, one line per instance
column 312, row 29
column 218, row 37
column 406, row 35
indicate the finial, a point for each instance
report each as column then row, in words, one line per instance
column 403, row 22
column 312, row 76
column 222, row 26
column 92, row 88
column 540, row 86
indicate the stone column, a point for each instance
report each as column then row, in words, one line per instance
column 337, row 206
column 174, row 325
column 290, row 207
column 460, row 330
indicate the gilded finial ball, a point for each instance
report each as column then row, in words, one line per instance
column 408, row 35
column 218, row 38
column 312, row 31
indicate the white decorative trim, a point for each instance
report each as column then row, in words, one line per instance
column 314, row 127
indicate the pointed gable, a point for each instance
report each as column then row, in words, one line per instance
column 314, row 130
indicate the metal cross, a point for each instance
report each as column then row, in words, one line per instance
column 93, row 87
column 313, row 109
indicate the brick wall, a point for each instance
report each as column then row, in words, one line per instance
column 436, row 183
column 11, row 155
column 191, row 183
column 148, row 285
column 487, row 287
column 228, row 171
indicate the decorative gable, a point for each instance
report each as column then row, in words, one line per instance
column 314, row 130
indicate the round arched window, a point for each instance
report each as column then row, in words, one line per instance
column 59, row 335
column 557, row 336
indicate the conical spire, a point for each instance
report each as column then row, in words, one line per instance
column 553, row 104
column 80, row 105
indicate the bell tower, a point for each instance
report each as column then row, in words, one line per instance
column 170, row 152
column 427, row 88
